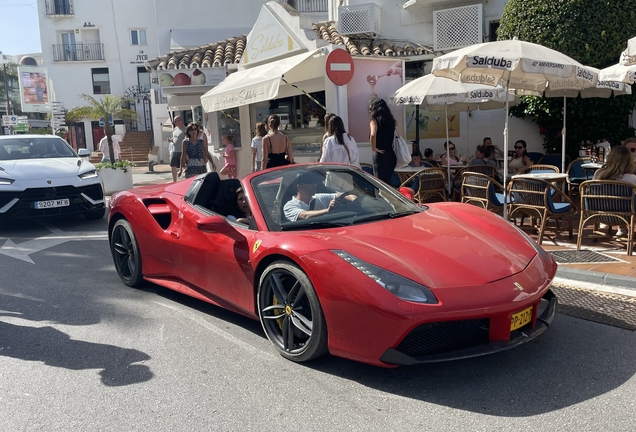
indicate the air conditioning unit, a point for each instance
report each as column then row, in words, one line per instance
column 457, row 27
column 359, row 19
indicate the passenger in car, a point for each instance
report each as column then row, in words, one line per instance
column 243, row 206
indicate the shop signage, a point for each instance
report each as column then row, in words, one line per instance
column 191, row 77
column 339, row 65
column 268, row 39
column 9, row 120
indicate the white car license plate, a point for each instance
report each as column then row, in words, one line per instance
column 52, row 203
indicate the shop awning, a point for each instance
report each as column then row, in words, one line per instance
column 261, row 83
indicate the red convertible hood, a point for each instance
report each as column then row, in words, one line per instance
column 447, row 245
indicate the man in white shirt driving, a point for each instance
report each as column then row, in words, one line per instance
column 298, row 206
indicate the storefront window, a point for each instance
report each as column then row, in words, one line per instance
column 302, row 120
column 229, row 124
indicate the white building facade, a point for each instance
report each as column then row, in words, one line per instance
column 98, row 48
column 389, row 44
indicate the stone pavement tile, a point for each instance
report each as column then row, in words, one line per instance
column 624, row 269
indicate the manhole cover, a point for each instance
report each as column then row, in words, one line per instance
column 606, row 308
column 581, row 257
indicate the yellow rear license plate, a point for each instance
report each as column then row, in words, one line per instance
column 520, row 319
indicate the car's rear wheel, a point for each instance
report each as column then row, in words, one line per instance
column 126, row 255
column 290, row 312
column 95, row 214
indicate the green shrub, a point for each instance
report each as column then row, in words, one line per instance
column 593, row 32
column 122, row 164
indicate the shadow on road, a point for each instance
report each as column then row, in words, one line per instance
column 574, row 362
column 55, row 348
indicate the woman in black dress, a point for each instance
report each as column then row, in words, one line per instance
column 382, row 124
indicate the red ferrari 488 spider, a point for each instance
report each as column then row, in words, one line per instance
column 330, row 259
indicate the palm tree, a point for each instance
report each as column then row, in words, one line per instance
column 103, row 108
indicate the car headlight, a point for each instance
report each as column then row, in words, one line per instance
column 5, row 181
column 88, row 175
column 397, row 285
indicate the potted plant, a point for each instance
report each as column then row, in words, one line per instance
column 115, row 176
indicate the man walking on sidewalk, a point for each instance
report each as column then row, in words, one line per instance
column 176, row 145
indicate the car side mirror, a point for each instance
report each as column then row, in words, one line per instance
column 218, row 225
column 83, row 152
column 407, row 192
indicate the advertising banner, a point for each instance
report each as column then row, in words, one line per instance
column 34, row 89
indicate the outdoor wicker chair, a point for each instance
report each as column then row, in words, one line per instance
column 609, row 202
column 541, row 200
column 576, row 174
column 481, row 190
column 539, row 168
column 430, row 185
column 488, row 170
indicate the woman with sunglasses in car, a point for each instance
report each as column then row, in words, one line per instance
column 521, row 158
column 194, row 155
column 454, row 159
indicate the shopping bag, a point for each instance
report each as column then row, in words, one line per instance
column 402, row 152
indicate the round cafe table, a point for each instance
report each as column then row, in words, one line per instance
column 590, row 168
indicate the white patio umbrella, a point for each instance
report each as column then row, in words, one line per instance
column 618, row 73
column 517, row 65
column 603, row 89
column 628, row 57
column 434, row 92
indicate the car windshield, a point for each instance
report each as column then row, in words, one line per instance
column 285, row 195
column 34, row 148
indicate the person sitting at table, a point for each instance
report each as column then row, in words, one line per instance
column 630, row 143
column 416, row 160
column 618, row 167
column 454, row 159
column 428, row 158
column 521, row 158
column 493, row 148
column 298, row 207
column 482, row 154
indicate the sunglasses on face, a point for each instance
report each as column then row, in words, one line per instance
column 518, row 148
column 632, row 149
column 451, row 148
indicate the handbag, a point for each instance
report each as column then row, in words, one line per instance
column 402, row 152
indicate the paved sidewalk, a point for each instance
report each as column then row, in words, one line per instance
column 610, row 266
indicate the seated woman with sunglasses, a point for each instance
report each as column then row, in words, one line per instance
column 521, row 158
column 630, row 143
column 454, row 159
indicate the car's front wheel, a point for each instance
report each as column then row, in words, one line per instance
column 290, row 312
column 126, row 254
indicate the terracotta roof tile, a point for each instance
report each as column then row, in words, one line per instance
column 230, row 51
column 217, row 54
column 369, row 46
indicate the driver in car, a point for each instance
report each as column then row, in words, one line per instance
column 299, row 206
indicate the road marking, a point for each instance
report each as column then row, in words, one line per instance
column 225, row 335
column 22, row 251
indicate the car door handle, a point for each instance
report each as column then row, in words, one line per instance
column 174, row 234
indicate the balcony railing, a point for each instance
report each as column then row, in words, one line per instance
column 308, row 5
column 78, row 52
column 59, row 7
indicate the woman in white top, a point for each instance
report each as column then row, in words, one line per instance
column 339, row 146
column 521, row 158
column 257, row 146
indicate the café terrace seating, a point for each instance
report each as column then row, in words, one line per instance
column 541, row 200
column 430, row 185
column 608, row 202
column 482, row 190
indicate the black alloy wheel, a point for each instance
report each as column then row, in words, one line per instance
column 126, row 255
column 290, row 312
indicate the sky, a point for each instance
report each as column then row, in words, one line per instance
column 19, row 27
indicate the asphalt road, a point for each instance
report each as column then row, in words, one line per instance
column 80, row 351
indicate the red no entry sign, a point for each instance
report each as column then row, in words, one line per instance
column 339, row 65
